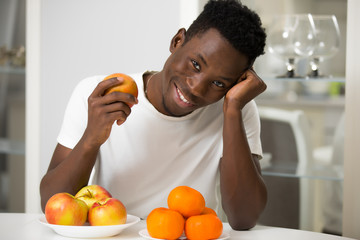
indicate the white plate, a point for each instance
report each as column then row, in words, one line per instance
column 144, row 233
column 87, row 231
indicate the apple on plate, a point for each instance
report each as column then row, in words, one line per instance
column 91, row 194
column 65, row 209
column 110, row 211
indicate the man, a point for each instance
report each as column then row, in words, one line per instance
column 195, row 120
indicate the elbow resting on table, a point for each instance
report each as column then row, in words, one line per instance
column 241, row 225
column 246, row 218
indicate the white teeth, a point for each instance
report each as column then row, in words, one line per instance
column 182, row 97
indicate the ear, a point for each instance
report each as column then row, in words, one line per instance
column 178, row 39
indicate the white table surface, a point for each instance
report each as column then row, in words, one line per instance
column 27, row 226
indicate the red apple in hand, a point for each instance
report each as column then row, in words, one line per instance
column 127, row 86
column 107, row 212
column 92, row 193
column 64, row 209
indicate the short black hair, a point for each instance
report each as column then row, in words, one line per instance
column 241, row 26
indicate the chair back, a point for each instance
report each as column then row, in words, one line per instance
column 285, row 136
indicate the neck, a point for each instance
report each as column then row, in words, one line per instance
column 147, row 83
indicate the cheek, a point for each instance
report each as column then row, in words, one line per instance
column 215, row 98
column 177, row 62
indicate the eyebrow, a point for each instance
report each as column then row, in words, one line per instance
column 227, row 79
column 202, row 59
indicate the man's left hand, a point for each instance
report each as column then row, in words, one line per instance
column 247, row 88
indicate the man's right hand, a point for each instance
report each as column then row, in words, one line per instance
column 104, row 110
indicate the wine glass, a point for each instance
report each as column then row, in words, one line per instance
column 291, row 37
column 328, row 42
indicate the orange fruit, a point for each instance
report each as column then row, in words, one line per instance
column 165, row 223
column 203, row 227
column 186, row 200
column 208, row 210
column 127, row 86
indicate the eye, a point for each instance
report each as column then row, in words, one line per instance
column 196, row 65
column 219, row 84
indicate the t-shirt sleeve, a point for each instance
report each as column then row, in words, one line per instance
column 76, row 113
column 251, row 121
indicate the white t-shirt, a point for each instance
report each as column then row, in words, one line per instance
column 151, row 153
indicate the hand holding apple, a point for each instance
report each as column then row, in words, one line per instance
column 128, row 85
column 92, row 193
column 107, row 212
column 65, row 209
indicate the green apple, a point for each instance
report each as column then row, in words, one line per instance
column 91, row 194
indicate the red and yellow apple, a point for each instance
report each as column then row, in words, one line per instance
column 65, row 209
column 92, row 193
column 128, row 85
column 110, row 211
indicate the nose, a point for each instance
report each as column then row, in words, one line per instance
column 197, row 85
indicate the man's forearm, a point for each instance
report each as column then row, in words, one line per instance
column 69, row 170
column 242, row 188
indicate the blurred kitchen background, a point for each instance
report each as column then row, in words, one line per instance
column 71, row 40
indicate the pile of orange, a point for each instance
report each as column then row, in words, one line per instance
column 186, row 212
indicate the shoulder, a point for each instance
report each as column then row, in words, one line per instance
column 250, row 114
column 250, row 109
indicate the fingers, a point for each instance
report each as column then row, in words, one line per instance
column 99, row 92
column 109, row 108
column 106, row 109
column 248, row 72
column 117, row 112
column 251, row 75
column 114, row 97
column 104, row 85
column 117, row 107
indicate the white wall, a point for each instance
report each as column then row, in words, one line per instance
column 88, row 37
column 69, row 40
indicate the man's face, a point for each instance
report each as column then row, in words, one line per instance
column 199, row 72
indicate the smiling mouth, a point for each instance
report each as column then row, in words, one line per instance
column 182, row 98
